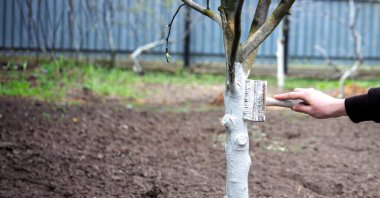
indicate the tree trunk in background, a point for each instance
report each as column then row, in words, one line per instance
column 280, row 63
column 186, row 50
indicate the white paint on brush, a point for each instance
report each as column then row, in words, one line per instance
column 254, row 107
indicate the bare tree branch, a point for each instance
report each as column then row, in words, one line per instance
column 136, row 64
column 146, row 47
column 355, row 34
column 227, row 27
column 33, row 25
column 70, row 13
column 357, row 49
column 205, row 11
column 108, row 22
column 328, row 61
column 258, row 20
column 261, row 14
column 169, row 31
column 26, row 19
column 236, row 41
column 267, row 28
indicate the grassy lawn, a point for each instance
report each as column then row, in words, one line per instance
column 323, row 85
column 52, row 81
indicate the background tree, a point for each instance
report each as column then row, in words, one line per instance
column 357, row 48
column 239, row 59
column 193, row 23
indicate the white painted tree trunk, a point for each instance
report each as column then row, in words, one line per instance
column 237, row 144
column 280, row 63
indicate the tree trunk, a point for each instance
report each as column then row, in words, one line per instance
column 280, row 63
column 345, row 75
column 237, row 145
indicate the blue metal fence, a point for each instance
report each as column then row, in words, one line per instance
column 100, row 26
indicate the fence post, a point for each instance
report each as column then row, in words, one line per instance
column 186, row 50
column 285, row 34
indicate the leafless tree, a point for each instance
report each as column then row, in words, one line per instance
column 328, row 61
column 239, row 59
column 108, row 22
column 33, row 25
column 357, row 48
column 153, row 44
column 149, row 46
column 357, row 43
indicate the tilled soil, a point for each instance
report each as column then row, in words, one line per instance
column 108, row 150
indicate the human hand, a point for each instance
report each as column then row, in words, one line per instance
column 316, row 103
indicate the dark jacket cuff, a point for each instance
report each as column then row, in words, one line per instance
column 357, row 108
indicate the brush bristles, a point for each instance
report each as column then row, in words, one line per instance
column 254, row 101
column 248, row 100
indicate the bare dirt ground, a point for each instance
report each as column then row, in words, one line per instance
column 102, row 149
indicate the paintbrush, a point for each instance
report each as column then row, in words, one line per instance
column 255, row 101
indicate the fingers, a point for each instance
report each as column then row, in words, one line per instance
column 298, row 93
column 302, row 108
column 291, row 96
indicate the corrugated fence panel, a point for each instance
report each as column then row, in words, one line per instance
column 326, row 24
column 123, row 25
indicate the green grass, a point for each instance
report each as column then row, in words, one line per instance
column 53, row 80
column 323, row 85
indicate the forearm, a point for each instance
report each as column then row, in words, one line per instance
column 338, row 108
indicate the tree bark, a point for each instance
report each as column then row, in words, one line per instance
column 237, row 145
column 258, row 20
column 266, row 29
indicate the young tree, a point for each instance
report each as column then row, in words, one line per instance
column 192, row 23
column 357, row 49
column 239, row 59
column 357, row 44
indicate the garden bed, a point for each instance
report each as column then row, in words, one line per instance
column 113, row 150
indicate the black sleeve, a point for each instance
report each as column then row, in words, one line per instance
column 364, row 107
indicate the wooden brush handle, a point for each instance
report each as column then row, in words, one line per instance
column 281, row 103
